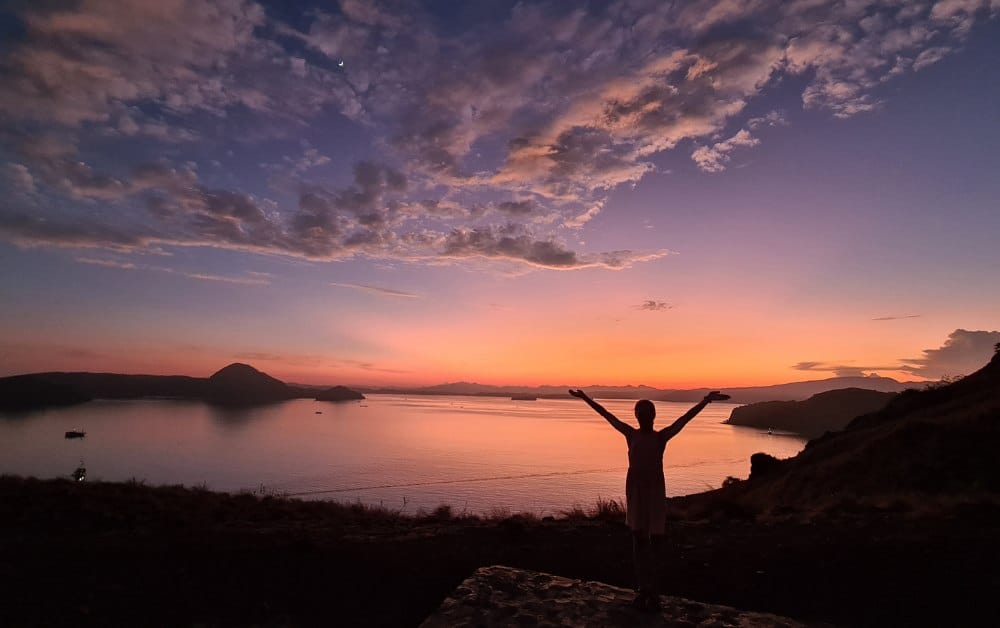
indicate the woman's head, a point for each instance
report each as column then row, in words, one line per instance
column 645, row 412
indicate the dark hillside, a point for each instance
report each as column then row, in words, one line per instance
column 824, row 412
column 925, row 446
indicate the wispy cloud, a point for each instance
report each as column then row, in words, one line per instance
column 715, row 157
column 256, row 279
column 651, row 305
column 108, row 263
column 844, row 369
column 247, row 281
column 382, row 292
column 896, row 318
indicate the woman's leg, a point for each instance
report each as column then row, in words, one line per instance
column 657, row 560
column 641, row 559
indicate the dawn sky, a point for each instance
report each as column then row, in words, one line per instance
column 672, row 194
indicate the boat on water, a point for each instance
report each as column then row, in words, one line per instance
column 80, row 474
column 523, row 398
column 75, row 434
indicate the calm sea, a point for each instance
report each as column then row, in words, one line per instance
column 479, row 455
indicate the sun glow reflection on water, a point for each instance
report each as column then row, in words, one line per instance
column 477, row 454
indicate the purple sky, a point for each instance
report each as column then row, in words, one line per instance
column 667, row 193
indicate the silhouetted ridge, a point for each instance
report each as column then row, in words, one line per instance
column 243, row 384
column 938, row 442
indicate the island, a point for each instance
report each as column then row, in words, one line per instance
column 339, row 393
column 234, row 385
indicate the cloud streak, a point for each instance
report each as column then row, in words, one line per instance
column 376, row 290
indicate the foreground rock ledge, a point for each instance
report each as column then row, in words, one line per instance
column 504, row 596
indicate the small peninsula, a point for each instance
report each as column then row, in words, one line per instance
column 824, row 412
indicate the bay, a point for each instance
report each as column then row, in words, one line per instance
column 479, row 455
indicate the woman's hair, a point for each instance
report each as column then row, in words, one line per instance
column 645, row 411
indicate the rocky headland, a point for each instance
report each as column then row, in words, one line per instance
column 824, row 412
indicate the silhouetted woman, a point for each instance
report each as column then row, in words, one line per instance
column 645, row 489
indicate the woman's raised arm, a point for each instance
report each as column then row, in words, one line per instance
column 674, row 429
column 615, row 422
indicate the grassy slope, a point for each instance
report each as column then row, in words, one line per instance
column 926, row 449
column 126, row 554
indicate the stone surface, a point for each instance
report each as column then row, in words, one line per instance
column 504, row 596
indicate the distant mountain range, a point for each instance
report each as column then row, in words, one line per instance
column 794, row 391
column 242, row 384
column 236, row 384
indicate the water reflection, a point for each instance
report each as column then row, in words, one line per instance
column 476, row 454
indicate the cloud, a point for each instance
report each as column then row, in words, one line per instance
column 930, row 57
column 287, row 358
column 256, row 279
column 515, row 242
column 384, row 292
column 578, row 221
column 962, row 353
column 651, row 305
column 78, row 63
column 843, row 370
column 246, row 281
column 715, row 157
column 19, row 178
column 896, row 318
column 108, row 263
column 558, row 103
column 516, row 208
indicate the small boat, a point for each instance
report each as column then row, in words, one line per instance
column 80, row 474
column 75, row 434
column 769, row 431
column 318, row 412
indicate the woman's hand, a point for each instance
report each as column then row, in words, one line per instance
column 578, row 393
column 715, row 395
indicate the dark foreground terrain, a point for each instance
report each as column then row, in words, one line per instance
column 895, row 520
column 126, row 554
